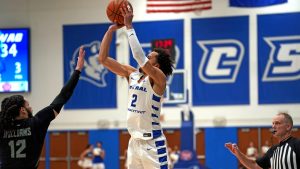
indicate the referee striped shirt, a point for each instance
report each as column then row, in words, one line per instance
column 285, row 155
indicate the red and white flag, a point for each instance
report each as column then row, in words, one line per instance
column 176, row 6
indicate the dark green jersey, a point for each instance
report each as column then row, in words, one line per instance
column 22, row 143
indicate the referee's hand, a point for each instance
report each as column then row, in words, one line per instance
column 232, row 147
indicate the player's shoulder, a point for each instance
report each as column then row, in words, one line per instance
column 130, row 69
column 45, row 111
column 134, row 73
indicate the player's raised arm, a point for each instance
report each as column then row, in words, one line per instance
column 108, row 62
column 150, row 65
column 67, row 91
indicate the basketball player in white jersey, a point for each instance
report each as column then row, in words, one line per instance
column 147, row 146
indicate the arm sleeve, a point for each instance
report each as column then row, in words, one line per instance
column 66, row 92
column 136, row 49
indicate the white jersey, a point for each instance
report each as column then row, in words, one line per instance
column 143, row 109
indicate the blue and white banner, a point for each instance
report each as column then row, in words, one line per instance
column 255, row 3
column 154, row 30
column 220, row 61
column 279, row 58
column 97, row 85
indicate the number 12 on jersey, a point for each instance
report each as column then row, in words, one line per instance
column 16, row 148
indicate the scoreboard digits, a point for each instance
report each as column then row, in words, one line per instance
column 8, row 50
column 165, row 44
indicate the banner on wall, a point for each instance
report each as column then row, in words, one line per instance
column 96, row 82
column 220, row 61
column 279, row 58
column 255, row 3
column 147, row 32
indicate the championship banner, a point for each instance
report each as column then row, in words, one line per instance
column 279, row 58
column 220, row 61
column 167, row 34
column 97, row 85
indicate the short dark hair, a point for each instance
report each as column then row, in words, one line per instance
column 287, row 118
column 165, row 61
column 10, row 109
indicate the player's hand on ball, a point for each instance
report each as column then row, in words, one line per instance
column 127, row 13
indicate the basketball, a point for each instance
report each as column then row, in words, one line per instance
column 113, row 11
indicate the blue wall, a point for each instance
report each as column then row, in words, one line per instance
column 110, row 143
column 217, row 156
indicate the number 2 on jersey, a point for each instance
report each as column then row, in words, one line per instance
column 133, row 100
column 20, row 145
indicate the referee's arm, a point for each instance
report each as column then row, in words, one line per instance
column 247, row 162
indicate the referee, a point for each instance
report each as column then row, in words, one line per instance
column 285, row 155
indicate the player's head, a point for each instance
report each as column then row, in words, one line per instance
column 14, row 107
column 99, row 144
column 162, row 59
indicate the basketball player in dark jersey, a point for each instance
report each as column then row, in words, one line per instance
column 22, row 134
